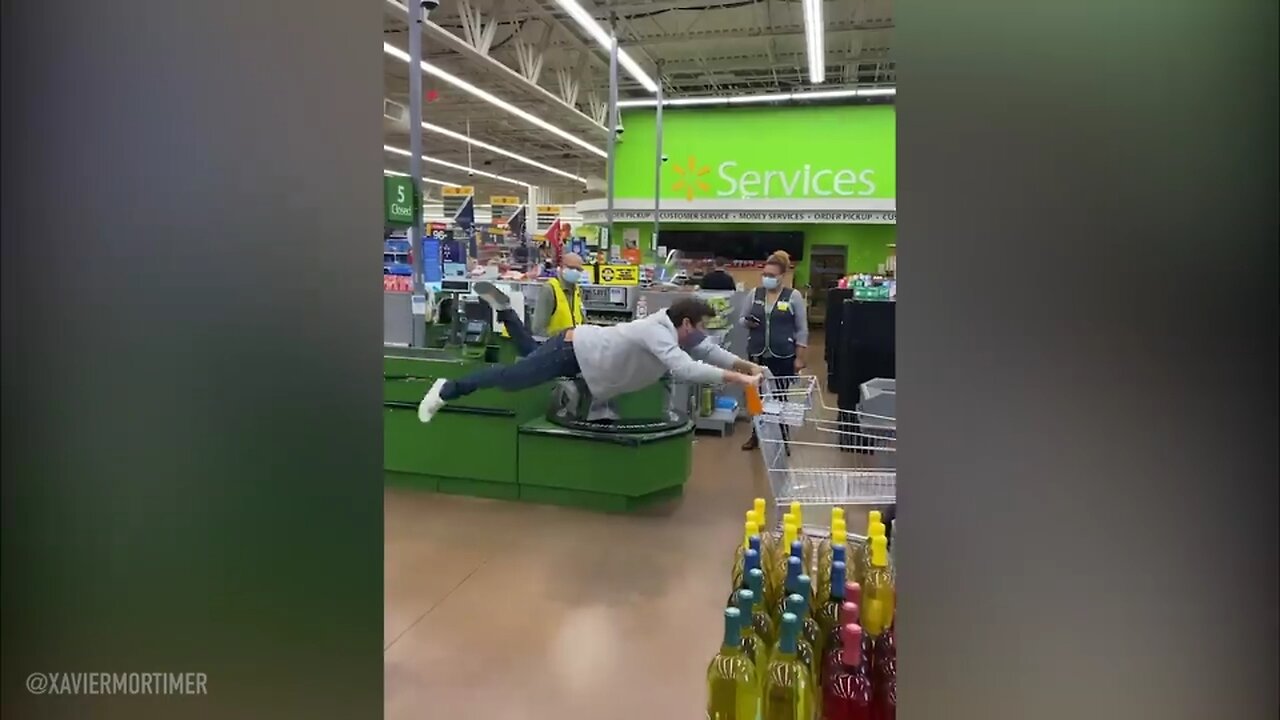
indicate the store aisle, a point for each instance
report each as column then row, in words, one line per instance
column 509, row 611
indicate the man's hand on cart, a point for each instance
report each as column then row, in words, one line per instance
column 746, row 367
column 743, row 379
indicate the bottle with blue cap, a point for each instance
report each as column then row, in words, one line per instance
column 809, row 628
column 788, row 684
column 804, row 648
column 794, row 571
column 764, row 626
column 751, row 540
column 733, row 689
column 828, row 613
column 752, row 645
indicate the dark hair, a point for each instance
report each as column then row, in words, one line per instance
column 692, row 309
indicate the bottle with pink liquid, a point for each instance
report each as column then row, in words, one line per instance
column 847, row 694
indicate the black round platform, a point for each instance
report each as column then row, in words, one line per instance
column 570, row 403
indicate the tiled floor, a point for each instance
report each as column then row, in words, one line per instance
column 507, row 611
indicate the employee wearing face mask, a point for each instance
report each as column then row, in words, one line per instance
column 559, row 304
column 777, row 325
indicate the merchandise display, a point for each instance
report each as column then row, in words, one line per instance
column 833, row 661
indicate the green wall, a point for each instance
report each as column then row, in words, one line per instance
column 780, row 147
column 867, row 244
column 769, row 140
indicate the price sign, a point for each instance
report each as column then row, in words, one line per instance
column 501, row 208
column 618, row 275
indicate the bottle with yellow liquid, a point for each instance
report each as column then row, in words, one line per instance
column 752, row 644
column 750, row 561
column 733, row 688
column 804, row 649
column 878, row 594
column 835, row 549
column 769, row 536
column 775, row 574
column 860, row 549
column 764, row 626
column 794, row 571
column 750, row 540
column 797, row 514
column 788, row 685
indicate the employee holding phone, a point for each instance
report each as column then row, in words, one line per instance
column 777, row 325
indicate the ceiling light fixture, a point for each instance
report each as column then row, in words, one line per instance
column 456, row 166
column 602, row 37
column 397, row 173
column 765, row 98
column 494, row 100
column 501, row 151
column 815, row 38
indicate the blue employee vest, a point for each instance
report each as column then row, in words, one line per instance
column 776, row 332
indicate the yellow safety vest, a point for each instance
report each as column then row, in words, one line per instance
column 562, row 318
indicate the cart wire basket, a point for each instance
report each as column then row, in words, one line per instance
column 816, row 454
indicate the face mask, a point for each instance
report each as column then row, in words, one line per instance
column 571, row 275
column 693, row 339
column 770, row 282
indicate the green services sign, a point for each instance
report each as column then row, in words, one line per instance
column 781, row 153
column 397, row 195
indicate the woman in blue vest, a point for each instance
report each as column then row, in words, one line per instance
column 777, row 325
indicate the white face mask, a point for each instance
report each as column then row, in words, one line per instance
column 570, row 275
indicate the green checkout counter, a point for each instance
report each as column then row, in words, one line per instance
column 498, row 444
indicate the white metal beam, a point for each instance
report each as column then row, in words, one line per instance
column 462, row 47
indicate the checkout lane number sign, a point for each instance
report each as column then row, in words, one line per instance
column 618, row 275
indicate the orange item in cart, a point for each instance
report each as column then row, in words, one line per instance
column 755, row 406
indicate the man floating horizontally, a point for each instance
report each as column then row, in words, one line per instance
column 612, row 360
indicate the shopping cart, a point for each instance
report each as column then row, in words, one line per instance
column 822, row 456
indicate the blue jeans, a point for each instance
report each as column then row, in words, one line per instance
column 538, row 364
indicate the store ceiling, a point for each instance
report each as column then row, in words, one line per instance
column 535, row 56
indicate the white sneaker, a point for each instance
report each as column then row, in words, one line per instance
column 431, row 402
column 490, row 293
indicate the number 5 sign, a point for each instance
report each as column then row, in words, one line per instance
column 397, row 192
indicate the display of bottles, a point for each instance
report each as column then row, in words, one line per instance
column 788, row 686
column 764, row 626
column 750, row 559
column 828, row 613
column 848, row 694
column 878, row 590
column 752, row 644
column 733, row 689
